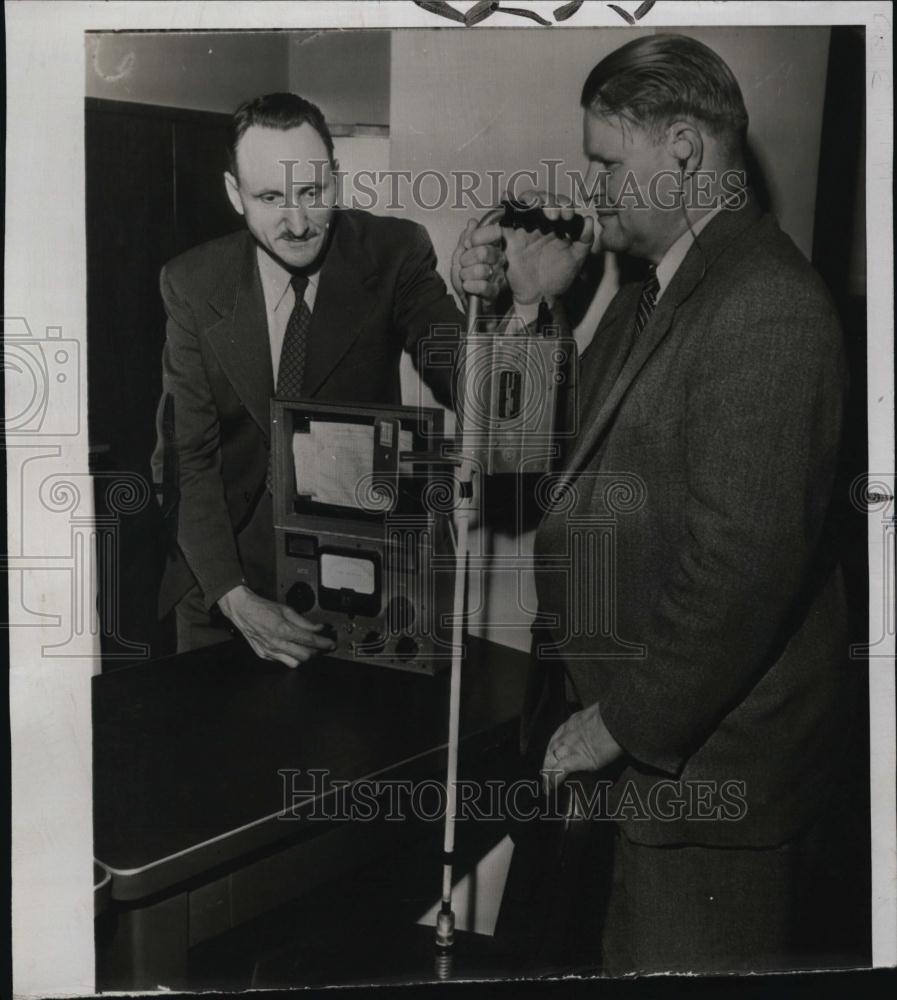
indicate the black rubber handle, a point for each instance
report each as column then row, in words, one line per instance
column 518, row 215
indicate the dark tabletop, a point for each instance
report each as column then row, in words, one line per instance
column 187, row 749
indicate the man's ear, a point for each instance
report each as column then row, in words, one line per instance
column 233, row 191
column 685, row 145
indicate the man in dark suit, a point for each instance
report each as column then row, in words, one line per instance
column 311, row 301
column 706, row 656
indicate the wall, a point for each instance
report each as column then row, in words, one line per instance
column 205, row 71
column 345, row 72
column 504, row 100
column 488, row 100
column 461, row 102
column 782, row 73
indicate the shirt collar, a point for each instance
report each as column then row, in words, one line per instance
column 276, row 279
column 671, row 260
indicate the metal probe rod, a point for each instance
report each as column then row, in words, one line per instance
column 445, row 921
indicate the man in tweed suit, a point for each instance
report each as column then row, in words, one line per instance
column 714, row 389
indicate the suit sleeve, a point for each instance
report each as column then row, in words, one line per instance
column 424, row 309
column 205, row 534
column 762, row 423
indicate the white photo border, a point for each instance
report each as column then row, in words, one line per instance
column 45, row 285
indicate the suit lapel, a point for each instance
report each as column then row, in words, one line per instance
column 718, row 235
column 345, row 297
column 604, row 357
column 240, row 337
column 346, row 294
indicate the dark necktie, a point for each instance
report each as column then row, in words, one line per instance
column 647, row 300
column 294, row 352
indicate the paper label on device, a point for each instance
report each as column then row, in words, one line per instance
column 347, row 573
column 332, row 460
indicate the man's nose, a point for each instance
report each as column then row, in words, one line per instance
column 595, row 185
column 296, row 218
column 599, row 186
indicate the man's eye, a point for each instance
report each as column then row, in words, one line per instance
column 269, row 199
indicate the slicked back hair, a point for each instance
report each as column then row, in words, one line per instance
column 656, row 79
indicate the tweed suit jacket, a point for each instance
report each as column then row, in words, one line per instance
column 709, row 621
column 378, row 294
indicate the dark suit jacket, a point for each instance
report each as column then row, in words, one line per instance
column 714, row 636
column 378, row 294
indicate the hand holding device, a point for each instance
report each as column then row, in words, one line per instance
column 478, row 264
column 546, row 248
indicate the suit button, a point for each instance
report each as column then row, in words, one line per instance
column 246, row 496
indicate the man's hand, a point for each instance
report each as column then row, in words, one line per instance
column 582, row 743
column 274, row 631
column 478, row 264
column 543, row 266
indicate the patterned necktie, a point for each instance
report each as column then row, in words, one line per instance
column 293, row 353
column 647, row 300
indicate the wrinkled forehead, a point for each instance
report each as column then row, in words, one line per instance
column 270, row 156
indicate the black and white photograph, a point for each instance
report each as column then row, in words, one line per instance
column 450, row 475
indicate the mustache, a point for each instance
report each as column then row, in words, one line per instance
column 310, row 234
